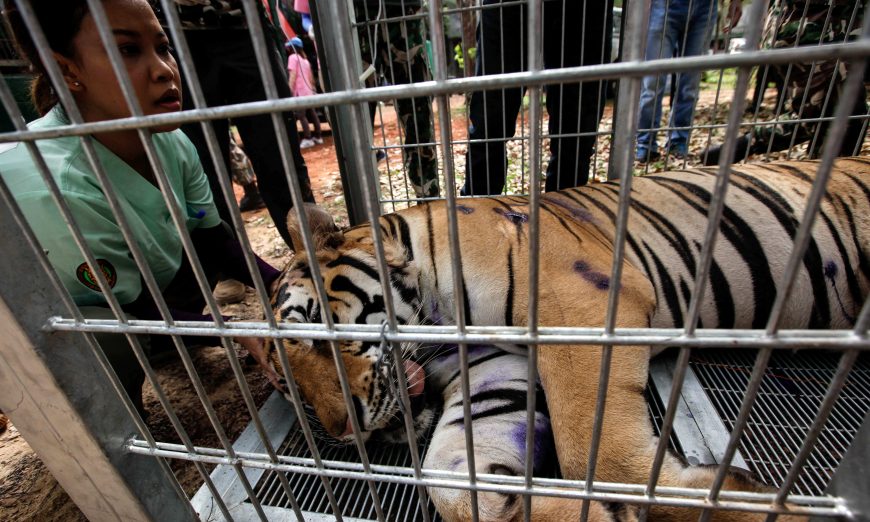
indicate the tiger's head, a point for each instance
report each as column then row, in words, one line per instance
column 349, row 270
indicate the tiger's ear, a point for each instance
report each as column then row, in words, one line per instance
column 324, row 232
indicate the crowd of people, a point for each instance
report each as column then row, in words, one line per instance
column 227, row 72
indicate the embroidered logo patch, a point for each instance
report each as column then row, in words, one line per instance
column 86, row 277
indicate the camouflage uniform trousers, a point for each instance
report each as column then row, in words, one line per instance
column 240, row 166
column 806, row 97
column 400, row 57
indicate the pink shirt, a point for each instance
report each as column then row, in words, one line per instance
column 301, row 6
column 304, row 84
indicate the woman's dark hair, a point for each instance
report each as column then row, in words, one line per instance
column 60, row 21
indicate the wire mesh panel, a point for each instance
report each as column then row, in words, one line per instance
column 470, row 357
column 793, row 386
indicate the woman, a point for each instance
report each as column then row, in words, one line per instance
column 88, row 74
column 302, row 84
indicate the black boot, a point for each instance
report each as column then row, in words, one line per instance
column 711, row 155
column 251, row 200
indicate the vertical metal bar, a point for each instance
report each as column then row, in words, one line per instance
column 739, row 425
column 223, row 177
column 825, row 27
column 23, row 226
column 833, row 143
column 534, row 48
column 782, row 100
column 654, row 125
column 329, row 42
column 717, row 205
column 628, row 95
column 625, row 131
column 445, row 130
column 364, row 162
column 667, row 426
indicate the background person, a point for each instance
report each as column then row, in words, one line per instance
column 229, row 73
column 301, row 81
column 153, row 72
column 806, row 91
column 576, row 32
column 396, row 51
column 676, row 28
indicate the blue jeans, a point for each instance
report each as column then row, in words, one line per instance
column 676, row 28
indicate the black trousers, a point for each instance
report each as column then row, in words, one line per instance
column 576, row 32
column 229, row 74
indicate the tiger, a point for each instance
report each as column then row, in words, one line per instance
column 666, row 230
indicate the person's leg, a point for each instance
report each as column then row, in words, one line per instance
column 578, row 33
column 120, row 354
column 306, row 129
column 653, row 87
column 493, row 114
column 856, row 131
column 208, row 72
column 817, row 106
column 241, row 82
column 315, row 121
column 694, row 32
column 406, row 64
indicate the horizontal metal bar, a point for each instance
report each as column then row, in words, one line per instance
column 602, row 491
column 845, row 51
column 703, row 338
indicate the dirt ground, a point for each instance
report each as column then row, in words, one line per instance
column 29, row 493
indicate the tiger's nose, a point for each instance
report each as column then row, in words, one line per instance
column 348, row 429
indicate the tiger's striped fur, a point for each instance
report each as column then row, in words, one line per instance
column 666, row 229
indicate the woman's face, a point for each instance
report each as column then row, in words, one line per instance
column 144, row 48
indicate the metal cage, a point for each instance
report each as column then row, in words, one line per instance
column 797, row 420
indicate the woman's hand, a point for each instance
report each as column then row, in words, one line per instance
column 255, row 347
column 274, row 286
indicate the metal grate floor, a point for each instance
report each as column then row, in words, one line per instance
column 400, row 501
column 792, row 389
column 788, row 401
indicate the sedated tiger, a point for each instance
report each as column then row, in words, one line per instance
column 666, row 227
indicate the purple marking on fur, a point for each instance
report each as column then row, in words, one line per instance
column 544, row 448
column 543, row 438
column 601, row 281
column 831, row 270
column 465, row 210
column 514, row 217
column 435, row 315
column 455, row 463
column 488, row 383
column 578, row 213
column 519, row 437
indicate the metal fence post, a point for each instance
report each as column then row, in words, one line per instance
column 59, row 398
column 851, row 480
column 636, row 20
column 340, row 117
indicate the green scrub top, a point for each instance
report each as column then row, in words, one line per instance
column 142, row 204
